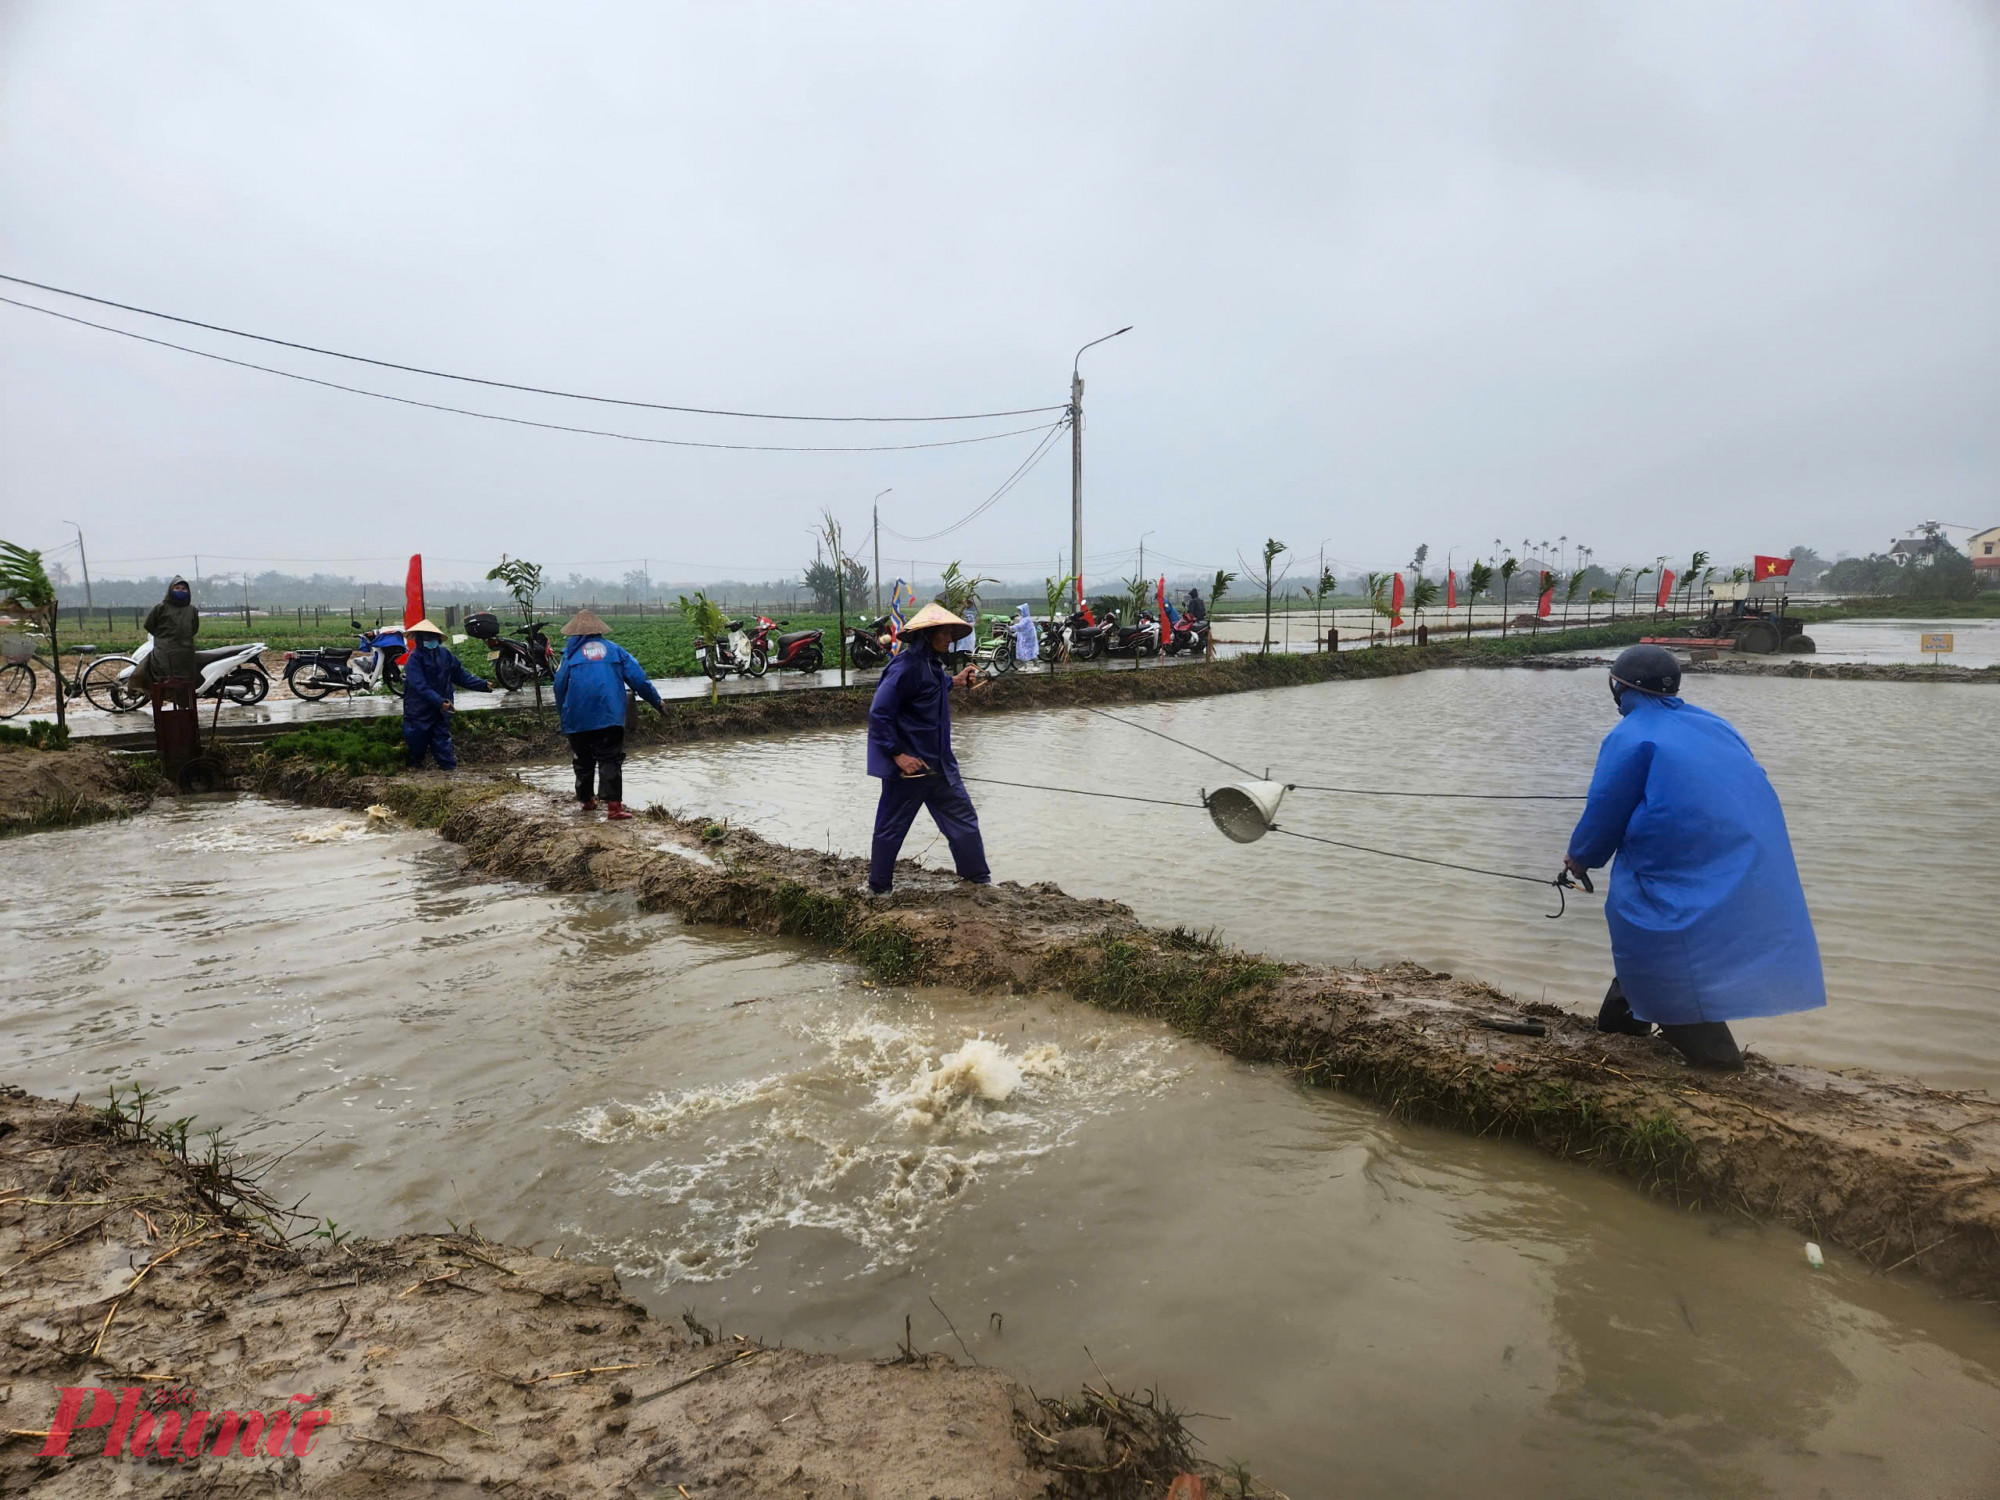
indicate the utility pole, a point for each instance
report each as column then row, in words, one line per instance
column 1076, row 459
column 85, row 558
column 876, row 510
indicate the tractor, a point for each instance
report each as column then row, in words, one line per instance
column 1752, row 616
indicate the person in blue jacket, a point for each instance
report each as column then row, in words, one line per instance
column 428, row 681
column 590, row 697
column 909, row 748
column 1708, row 919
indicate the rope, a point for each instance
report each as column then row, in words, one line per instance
column 1358, row 791
column 1561, row 882
column 1077, row 791
column 1172, row 741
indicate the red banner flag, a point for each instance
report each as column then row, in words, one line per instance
column 1546, row 602
column 1396, row 603
column 413, row 591
column 1451, row 589
column 1666, row 588
column 1160, row 596
column 1771, row 567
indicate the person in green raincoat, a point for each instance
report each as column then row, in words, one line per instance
column 172, row 624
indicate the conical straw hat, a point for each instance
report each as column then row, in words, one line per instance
column 930, row 617
column 423, row 626
column 585, row 622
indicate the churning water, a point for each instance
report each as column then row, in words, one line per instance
column 760, row 1134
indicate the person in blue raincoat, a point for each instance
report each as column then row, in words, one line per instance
column 590, row 698
column 909, row 748
column 1708, row 919
column 429, row 678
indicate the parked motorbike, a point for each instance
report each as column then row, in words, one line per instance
column 1189, row 637
column 313, row 674
column 1140, row 638
column 234, row 674
column 1087, row 641
column 796, row 650
column 868, row 645
column 732, row 653
column 517, row 659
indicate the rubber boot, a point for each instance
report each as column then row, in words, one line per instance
column 615, row 812
column 1616, row 1014
column 1706, row 1044
column 589, row 805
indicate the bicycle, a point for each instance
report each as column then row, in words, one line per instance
column 96, row 683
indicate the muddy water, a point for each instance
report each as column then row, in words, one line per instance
column 1889, row 790
column 754, row 1132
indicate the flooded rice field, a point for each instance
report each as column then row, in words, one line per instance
column 754, row 1132
column 1888, row 789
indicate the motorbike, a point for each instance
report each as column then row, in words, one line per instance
column 798, row 650
column 1140, row 638
column 517, row 659
column 315, row 673
column 1086, row 640
column 1189, row 636
column 734, row 652
column 868, row 645
column 234, row 674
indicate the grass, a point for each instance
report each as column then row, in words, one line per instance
column 1984, row 606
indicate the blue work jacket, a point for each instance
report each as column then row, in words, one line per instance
column 1708, row 919
column 428, row 679
column 911, row 713
column 591, row 683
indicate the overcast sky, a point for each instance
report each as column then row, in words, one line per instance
column 1654, row 277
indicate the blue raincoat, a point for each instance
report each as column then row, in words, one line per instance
column 428, row 680
column 591, row 682
column 1027, row 639
column 911, row 715
column 1708, row 920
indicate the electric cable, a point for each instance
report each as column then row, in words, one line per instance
column 506, row 385
column 1143, row 729
column 1356, row 791
column 487, row 416
column 1027, row 465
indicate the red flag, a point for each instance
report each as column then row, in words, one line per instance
column 1547, row 600
column 1160, row 595
column 413, row 591
column 1083, row 604
column 1666, row 588
column 1396, row 603
column 1451, row 589
column 1771, row 567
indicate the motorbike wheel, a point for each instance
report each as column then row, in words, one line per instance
column 759, row 664
column 392, row 678
column 1085, row 649
column 103, row 690
column 305, row 682
column 507, row 672
column 714, row 669
column 246, row 685
column 812, row 659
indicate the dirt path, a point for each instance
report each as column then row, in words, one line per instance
column 444, row 1364
column 1902, row 1175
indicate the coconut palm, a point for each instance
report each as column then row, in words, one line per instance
column 1057, row 594
column 1575, row 588
column 1268, row 580
column 1378, row 600
column 1477, row 581
column 25, row 587
column 1217, row 587
column 711, row 627
column 1507, row 571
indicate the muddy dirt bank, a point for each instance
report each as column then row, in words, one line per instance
column 435, row 1364
column 55, row 788
column 1902, row 1175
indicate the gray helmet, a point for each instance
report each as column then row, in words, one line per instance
column 1649, row 669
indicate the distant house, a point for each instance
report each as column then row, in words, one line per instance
column 1905, row 548
column 1985, row 549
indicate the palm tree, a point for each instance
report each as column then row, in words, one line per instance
column 1638, row 578
column 1695, row 565
column 1575, row 586
column 1423, row 594
column 1057, row 592
column 1378, row 601
column 1477, row 581
column 711, row 628
column 1218, row 586
column 1268, row 580
column 1595, row 596
column 1618, row 584
column 1507, row 571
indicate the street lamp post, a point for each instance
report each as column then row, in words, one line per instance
column 876, row 510
column 1076, row 458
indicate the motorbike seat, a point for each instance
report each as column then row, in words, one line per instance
column 792, row 638
column 219, row 653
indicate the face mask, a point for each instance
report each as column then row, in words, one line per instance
column 432, row 645
column 179, row 596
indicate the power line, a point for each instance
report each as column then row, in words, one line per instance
column 507, row 385
column 487, row 416
column 1040, row 452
